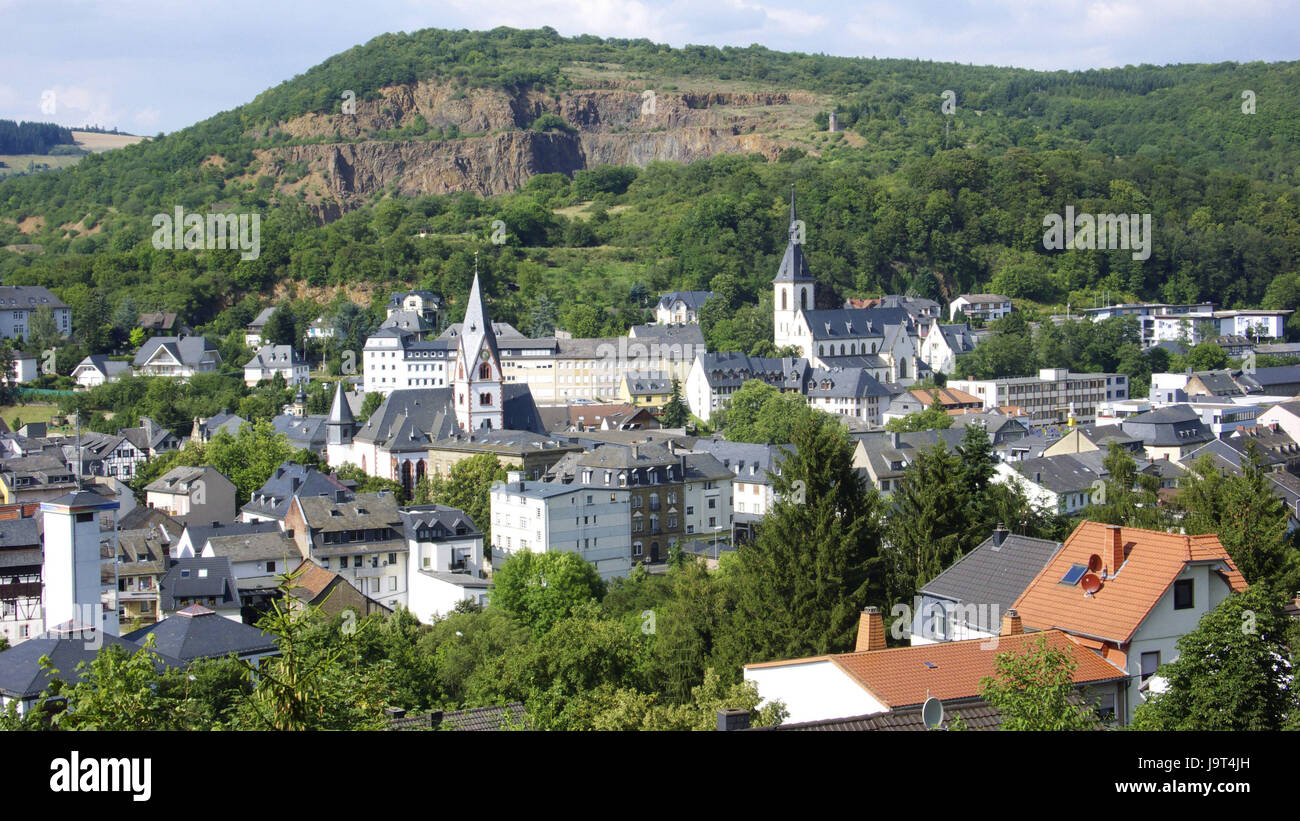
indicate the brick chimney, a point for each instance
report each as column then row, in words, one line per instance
column 1114, row 548
column 871, row 630
column 1011, row 623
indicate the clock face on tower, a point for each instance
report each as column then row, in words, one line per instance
column 484, row 354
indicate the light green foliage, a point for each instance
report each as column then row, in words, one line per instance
column 542, row 588
column 1032, row 690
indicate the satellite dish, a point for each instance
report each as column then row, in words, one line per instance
column 932, row 713
column 1090, row 582
column 1094, row 563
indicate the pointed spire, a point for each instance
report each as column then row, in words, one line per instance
column 340, row 410
column 794, row 216
column 794, row 266
column 477, row 324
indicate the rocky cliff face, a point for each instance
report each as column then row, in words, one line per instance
column 614, row 125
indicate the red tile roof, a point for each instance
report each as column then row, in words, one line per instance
column 904, row 676
column 1154, row 560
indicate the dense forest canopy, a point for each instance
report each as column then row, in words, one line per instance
column 32, row 138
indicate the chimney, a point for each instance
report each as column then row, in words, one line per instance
column 893, row 439
column 999, row 535
column 1114, row 552
column 733, row 719
column 1011, row 623
column 871, row 630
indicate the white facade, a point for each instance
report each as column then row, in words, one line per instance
column 74, row 591
column 1051, row 397
column 1252, row 324
column 987, row 307
column 813, row 690
column 594, row 522
column 24, row 369
column 276, row 359
column 708, row 507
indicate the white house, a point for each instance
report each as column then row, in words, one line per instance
column 594, row 522
column 97, row 369
column 178, row 357
column 987, row 307
column 678, row 307
column 276, row 359
column 445, row 560
column 944, row 343
column 24, row 369
column 253, row 333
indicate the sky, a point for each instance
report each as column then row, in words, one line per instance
column 150, row 66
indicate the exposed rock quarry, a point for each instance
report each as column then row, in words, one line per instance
column 615, row 126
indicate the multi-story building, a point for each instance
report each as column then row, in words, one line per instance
column 176, row 357
column 19, row 303
column 714, row 377
column 445, row 563
column 198, row 494
column 276, row 359
column 1051, row 398
column 593, row 521
column 361, row 538
column 525, row 451
column 21, row 556
column 852, row 392
column 985, row 307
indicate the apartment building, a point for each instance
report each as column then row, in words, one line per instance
column 1051, row 398
column 594, row 522
column 19, row 303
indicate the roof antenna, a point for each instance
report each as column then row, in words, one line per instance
column 76, row 419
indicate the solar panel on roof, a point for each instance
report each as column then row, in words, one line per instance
column 1075, row 573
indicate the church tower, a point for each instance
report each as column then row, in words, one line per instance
column 477, row 378
column 793, row 286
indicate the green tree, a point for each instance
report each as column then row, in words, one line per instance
column 1231, row 672
column 1249, row 518
column 539, row 589
column 369, row 405
column 467, row 487
column 280, row 328
column 676, row 414
column 932, row 418
column 799, row 587
column 1032, row 690
column 927, row 525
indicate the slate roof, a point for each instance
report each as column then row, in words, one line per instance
column 993, row 575
column 273, row 497
column 180, row 479
column 20, row 670
column 975, row 714
column 267, row 545
column 183, row 581
column 196, row 632
column 411, row 419
column 1066, row 473
column 432, row 522
column 190, row 351
column 692, row 299
column 510, row 716
column 747, row 462
column 794, row 265
column 984, row 299
column 1153, row 561
column 1174, row 426
column 958, row 338
column 849, row 383
column 28, row 298
column 108, row 367
column 722, row 370
column 275, row 357
column 409, row 321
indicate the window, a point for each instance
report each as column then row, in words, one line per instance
column 485, row 399
column 392, row 558
column 392, row 583
column 1150, row 663
column 356, row 561
column 1183, row 594
column 270, row 567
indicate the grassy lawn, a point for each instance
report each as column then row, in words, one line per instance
column 31, row 412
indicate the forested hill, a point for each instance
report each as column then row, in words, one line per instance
column 609, row 193
column 32, row 138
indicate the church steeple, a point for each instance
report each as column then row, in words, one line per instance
column 793, row 287
column 478, row 380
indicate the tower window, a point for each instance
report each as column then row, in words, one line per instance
column 485, row 371
column 803, row 298
column 784, row 294
column 485, row 399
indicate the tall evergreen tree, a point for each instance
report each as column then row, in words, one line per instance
column 927, row 522
column 676, row 413
column 799, row 587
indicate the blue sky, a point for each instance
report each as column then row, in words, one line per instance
column 159, row 65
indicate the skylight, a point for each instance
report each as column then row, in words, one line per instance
column 1075, row 573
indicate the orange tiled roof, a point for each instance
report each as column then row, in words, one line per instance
column 314, row 578
column 947, row 397
column 900, row 676
column 1115, row 611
